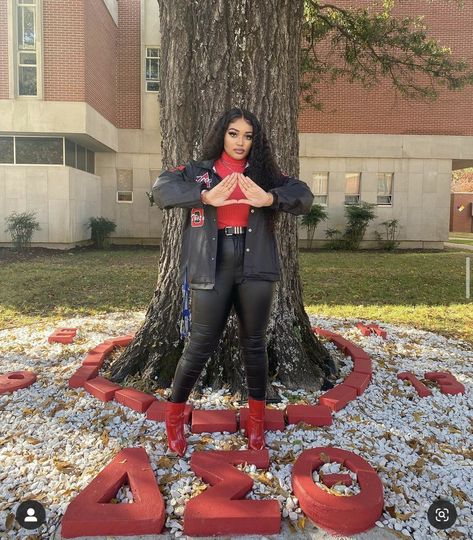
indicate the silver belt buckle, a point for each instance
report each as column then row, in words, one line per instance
column 235, row 230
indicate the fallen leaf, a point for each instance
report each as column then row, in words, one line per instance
column 458, row 493
column 404, row 517
column 165, row 463
column 32, row 440
column 105, row 438
column 9, row 521
column 63, row 466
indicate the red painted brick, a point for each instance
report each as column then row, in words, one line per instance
column 63, row 335
column 273, row 419
column 213, row 421
column 84, row 373
column 103, row 348
column 135, row 399
column 101, row 388
column 447, row 382
column 331, row 479
column 94, row 359
column 338, row 514
column 420, row 387
column 358, row 381
column 156, row 412
column 120, row 341
column 90, row 515
column 362, row 364
column 221, row 509
column 377, row 330
column 363, row 329
column 338, row 397
column 15, row 380
column 360, row 358
column 315, row 415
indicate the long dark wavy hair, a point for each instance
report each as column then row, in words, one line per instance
column 263, row 169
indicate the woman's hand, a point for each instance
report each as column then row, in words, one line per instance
column 255, row 195
column 218, row 195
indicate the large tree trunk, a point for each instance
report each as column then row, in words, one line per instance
column 216, row 55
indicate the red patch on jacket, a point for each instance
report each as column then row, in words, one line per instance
column 197, row 217
column 178, row 168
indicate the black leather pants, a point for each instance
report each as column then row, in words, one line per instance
column 210, row 310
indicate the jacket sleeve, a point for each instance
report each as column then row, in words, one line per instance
column 294, row 196
column 177, row 188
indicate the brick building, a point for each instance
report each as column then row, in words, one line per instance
column 79, row 127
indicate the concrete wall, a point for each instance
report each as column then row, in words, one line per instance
column 63, row 199
column 422, row 168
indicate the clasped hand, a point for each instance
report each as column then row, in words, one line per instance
column 255, row 196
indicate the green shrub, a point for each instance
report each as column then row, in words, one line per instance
column 21, row 227
column 358, row 215
column 101, row 228
column 312, row 219
column 392, row 233
column 335, row 239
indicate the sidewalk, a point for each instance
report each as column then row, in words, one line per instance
column 458, row 246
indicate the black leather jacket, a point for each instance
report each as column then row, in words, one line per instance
column 181, row 187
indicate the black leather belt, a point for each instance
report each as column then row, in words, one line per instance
column 229, row 231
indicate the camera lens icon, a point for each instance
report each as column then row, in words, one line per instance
column 442, row 514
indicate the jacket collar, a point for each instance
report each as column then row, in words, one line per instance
column 206, row 164
column 209, row 164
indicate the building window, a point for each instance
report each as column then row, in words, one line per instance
column 46, row 151
column 124, row 185
column 70, row 153
column 352, row 188
column 90, row 161
column 39, row 150
column 79, row 157
column 320, row 187
column 27, row 47
column 80, row 151
column 153, row 60
column 6, row 150
column 124, row 196
column 385, row 188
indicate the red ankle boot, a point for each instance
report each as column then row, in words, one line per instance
column 255, row 425
column 174, row 417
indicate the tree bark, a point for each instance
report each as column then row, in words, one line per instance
column 216, row 55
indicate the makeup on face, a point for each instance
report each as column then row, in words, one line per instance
column 238, row 139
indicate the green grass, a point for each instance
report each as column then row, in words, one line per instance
column 76, row 283
column 422, row 289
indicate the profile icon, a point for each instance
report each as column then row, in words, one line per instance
column 31, row 518
column 30, row 514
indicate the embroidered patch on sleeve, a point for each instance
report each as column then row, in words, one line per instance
column 197, row 217
column 204, row 178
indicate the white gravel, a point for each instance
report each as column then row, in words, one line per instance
column 54, row 440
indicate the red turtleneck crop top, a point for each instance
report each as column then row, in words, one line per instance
column 233, row 215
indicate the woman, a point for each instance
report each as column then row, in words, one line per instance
column 229, row 255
